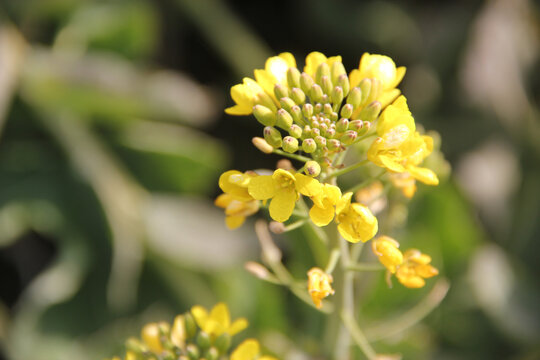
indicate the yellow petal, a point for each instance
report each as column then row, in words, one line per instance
column 313, row 60
column 262, row 187
column 346, row 230
column 321, row 216
column 289, row 59
column 200, row 315
column 332, row 193
column 150, row 336
column 391, row 163
column 307, row 185
column 282, row 204
column 344, row 202
column 238, row 190
column 239, row 110
column 220, row 313
column 247, row 350
column 235, row 221
column 223, row 200
column 237, row 326
column 424, row 175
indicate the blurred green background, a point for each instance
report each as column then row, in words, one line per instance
column 113, row 135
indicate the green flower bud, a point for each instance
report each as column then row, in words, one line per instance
column 356, row 125
column 325, row 99
column 334, row 116
column 327, row 109
column 307, row 131
column 262, row 145
column 322, row 70
column 320, row 141
column 376, row 91
column 190, row 324
column 315, row 132
column 293, row 77
column 326, row 85
column 297, row 115
column 333, row 144
column 287, row 103
column 306, row 82
column 365, row 128
column 337, row 70
column 309, row 145
column 289, row 144
column 298, row 96
column 264, row 115
column 212, row 354
column 323, row 127
column 316, row 93
column 223, row 342
column 355, row 98
column 135, row 346
column 342, row 125
column 370, row 112
column 365, row 87
column 349, row 137
column 284, row 120
column 203, row 340
column 315, row 122
column 295, row 131
column 168, row 356
column 337, row 96
column 318, row 108
column 343, row 83
column 272, row 136
column 346, row 111
column 312, row 168
column 330, row 133
column 281, row 91
column 307, row 110
column 193, row 352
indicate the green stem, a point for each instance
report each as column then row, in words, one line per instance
column 357, row 335
column 291, row 156
column 366, row 267
column 332, row 262
column 345, row 170
column 366, row 182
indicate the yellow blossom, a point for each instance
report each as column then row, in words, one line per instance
column 236, row 211
column 405, row 182
column 415, row 268
column 315, row 58
column 388, row 253
column 322, row 211
column 283, row 188
column 249, row 349
column 235, row 183
column 218, row 321
column 247, row 95
column 150, row 334
column 383, row 69
column 319, row 285
column 356, row 222
column 275, row 72
column 400, row 148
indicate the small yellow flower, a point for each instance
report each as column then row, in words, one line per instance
column 315, row 58
column 356, row 222
column 218, row 321
column 150, row 334
column 247, row 95
column 400, row 148
column 383, row 69
column 236, row 211
column 235, row 183
column 319, row 285
column 388, row 253
column 178, row 331
column 275, row 72
column 283, row 188
column 415, row 268
column 249, row 349
column 322, row 211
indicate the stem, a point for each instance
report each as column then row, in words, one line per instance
column 332, row 262
column 366, row 182
column 358, row 335
column 342, row 349
column 365, row 267
column 292, row 156
column 345, row 170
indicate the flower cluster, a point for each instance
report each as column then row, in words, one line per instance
column 195, row 335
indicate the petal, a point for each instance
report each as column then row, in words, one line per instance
column 237, row 326
column 239, row 110
column 424, row 175
column 262, row 187
column 223, row 200
column 220, row 314
column 282, row 205
column 355, row 78
column 307, row 185
column 247, row 350
column 200, row 315
column 346, row 230
column 321, row 216
column 237, row 190
column 400, row 73
column 332, row 193
column 289, row 58
column 266, row 80
column 234, row 222
column 390, row 162
column 313, row 60
column 388, row 96
column 343, row 203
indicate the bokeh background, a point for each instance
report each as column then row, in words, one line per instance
column 113, row 135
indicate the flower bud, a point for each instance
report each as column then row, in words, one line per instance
column 276, row 227
column 365, row 128
column 281, row 91
column 312, row 168
column 315, row 122
column 307, row 131
column 327, row 109
column 203, row 341
column 262, row 145
column 337, row 70
column 135, row 346
column 349, row 137
column 321, row 141
column 315, row 132
column 212, row 354
column 295, row 131
column 284, row 120
column 306, row 82
column 343, row 82
column 298, row 96
column 370, row 112
column 289, row 144
column 330, row 133
column 333, row 116
column 293, row 77
column 342, row 125
column 316, row 93
column 286, row 103
column 193, row 351
column 355, row 98
column 264, row 115
column 297, row 115
column 191, row 325
column 309, row 145
column 325, row 99
column 323, row 127
column 356, row 125
column 285, row 164
column 322, row 70
column 333, row 144
column 365, row 87
column 318, row 108
column 337, row 96
column 257, row 269
column 346, row 111
column 326, row 85
column 376, row 91
column 272, row 136
column 307, row 110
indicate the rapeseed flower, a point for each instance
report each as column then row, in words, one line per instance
column 319, row 285
column 249, row 349
column 247, row 95
column 323, row 209
column 218, row 321
column 356, row 222
column 387, row 251
column 236, row 211
column 415, row 268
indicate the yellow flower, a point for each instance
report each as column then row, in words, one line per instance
column 388, row 253
column 415, row 268
column 322, row 211
column 218, row 321
column 249, row 349
column 400, row 148
column 247, row 95
column 235, row 183
column 383, row 69
column 283, row 188
column 356, row 222
column 150, row 334
column 236, row 211
column 275, row 72
column 314, row 59
column 405, row 182
column 178, row 331
column 319, row 285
